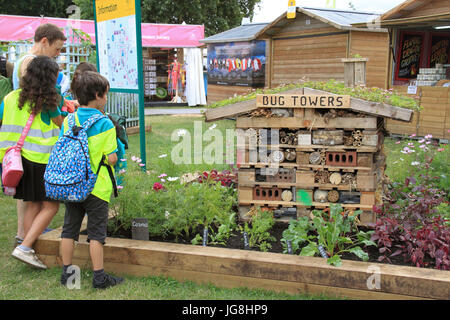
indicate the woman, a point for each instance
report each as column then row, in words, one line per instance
column 37, row 95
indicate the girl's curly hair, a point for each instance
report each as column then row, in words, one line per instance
column 39, row 85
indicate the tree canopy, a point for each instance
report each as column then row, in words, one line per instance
column 216, row 15
column 47, row 8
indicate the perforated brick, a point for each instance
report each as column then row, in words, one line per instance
column 282, row 175
column 267, row 194
column 341, row 159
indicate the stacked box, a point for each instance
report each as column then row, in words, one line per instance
column 430, row 76
column 150, row 80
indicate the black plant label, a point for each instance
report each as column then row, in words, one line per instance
column 322, row 252
column 205, row 236
column 246, row 245
column 289, row 246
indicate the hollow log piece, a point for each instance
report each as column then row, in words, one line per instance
column 333, row 196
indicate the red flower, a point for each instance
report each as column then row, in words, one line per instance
column 157, row 186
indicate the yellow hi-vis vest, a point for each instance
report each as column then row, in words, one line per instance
column 40, row 139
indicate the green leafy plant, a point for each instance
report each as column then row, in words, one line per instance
column 297, row 234
column 333, row 231
column 335, row 235
column 223, row 232
column 177, row 209
column 258, row 230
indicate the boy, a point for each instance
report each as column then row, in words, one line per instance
column 91, row 91
column 48, row 41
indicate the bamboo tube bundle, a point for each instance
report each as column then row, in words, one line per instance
column 323, row 158
column 348, row 141
column 333, row 196
column 357, row 138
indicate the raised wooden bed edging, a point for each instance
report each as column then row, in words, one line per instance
column 240, row 268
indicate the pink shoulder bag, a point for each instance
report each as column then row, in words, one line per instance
column 12, row 162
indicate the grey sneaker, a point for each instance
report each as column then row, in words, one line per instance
column 29, row 257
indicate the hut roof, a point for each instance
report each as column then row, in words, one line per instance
column 415, row 13
column 246, row 32
column 341, row 19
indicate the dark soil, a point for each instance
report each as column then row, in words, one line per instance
column 236, row 241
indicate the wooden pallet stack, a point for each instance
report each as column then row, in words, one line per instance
column 300, row 152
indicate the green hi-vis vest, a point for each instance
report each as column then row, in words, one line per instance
column 40, row 139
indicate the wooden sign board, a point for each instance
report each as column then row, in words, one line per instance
column 139, row 229
column 302, row 101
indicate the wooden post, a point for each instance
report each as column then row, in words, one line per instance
column 354, row 71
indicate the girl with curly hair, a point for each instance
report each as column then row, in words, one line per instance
column 37, row 95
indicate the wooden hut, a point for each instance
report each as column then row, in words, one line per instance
column 419, row 62
column 307, row 149
column 311, row 46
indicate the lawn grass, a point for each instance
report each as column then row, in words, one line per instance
column 18, row 281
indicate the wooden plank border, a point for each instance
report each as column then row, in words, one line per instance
column 237, row 268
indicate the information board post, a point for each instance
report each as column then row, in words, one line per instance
column 119, row 51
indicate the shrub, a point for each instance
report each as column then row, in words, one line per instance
column 412, row 221
column 172, row 207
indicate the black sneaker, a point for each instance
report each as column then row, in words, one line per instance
column 108, row 281
column 64, row 277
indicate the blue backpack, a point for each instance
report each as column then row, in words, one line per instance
column 68, row 175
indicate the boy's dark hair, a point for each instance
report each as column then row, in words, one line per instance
column 81, row 68
column 49, row 31
column 39, row 85
column 90, row 84
column 6, row 68
column 3, row 67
